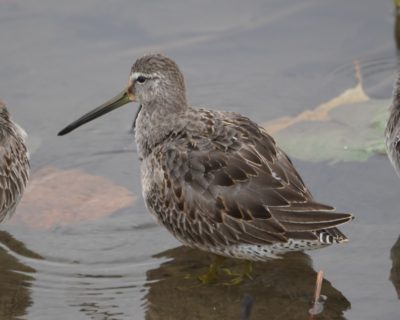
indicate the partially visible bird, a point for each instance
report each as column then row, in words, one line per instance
column 392, row 132
column 14, row 163
column 216, row 180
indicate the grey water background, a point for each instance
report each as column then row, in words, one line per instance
column 265, row 59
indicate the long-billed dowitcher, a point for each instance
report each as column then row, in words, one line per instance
column 216, row 180
column 14, row 163
column 392, row 132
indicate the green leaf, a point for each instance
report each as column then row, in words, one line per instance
column 352, row 132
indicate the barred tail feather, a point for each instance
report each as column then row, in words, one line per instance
column 330, row 236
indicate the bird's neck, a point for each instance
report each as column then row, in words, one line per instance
column 155, row 123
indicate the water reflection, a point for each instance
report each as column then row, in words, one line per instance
column 15, row 280
column 395, row 271
column 280, row 289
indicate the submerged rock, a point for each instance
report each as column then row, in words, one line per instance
column 60, row 197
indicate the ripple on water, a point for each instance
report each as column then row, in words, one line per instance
column 98, row 276
column 375, row 69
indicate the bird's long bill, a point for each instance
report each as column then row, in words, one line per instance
column 119, row 100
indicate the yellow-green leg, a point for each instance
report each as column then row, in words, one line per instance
column 212, row 274
column 239, row 277
column 214, row 268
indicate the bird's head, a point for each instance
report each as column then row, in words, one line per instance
column 155, row 82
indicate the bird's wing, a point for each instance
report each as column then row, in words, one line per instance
column 396, row 144
column 14, row 172
column 392, row 134
column 238, row 187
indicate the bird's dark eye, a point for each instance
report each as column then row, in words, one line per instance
column 141, row 79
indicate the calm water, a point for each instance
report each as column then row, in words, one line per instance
column 83, row 246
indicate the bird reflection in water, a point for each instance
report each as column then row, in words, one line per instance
column 281, row 288
column 14, row 278
column 395, row 271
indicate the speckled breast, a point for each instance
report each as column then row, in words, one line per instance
column 155, row 195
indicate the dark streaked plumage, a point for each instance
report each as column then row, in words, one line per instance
column 14, row 164
column 216, row 180
column 392, row 132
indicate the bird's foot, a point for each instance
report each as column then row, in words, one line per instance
column 238, row 278
column 213, row 270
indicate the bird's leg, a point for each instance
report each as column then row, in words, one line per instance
column 213, row 269
column 239, row 277
column 236, row 277
column 248, row 269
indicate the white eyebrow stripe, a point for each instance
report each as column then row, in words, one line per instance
column 136, row 75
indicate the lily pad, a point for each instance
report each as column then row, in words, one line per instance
column 349, row 127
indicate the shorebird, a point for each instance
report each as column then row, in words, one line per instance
column 392, row 132
column 216, row 180
column 14, row 163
